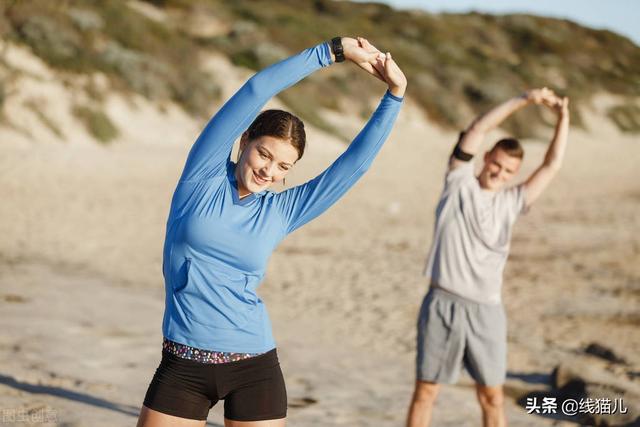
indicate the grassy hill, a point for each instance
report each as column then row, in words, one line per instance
column 457, row 64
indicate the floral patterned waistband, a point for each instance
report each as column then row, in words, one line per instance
column 203, row 356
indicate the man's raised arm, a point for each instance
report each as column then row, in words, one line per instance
column 471, row 139
column 542, row 176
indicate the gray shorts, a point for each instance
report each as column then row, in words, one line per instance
column 453, row 332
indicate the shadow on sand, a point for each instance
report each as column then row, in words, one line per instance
column 545, row 402
column 75, row 396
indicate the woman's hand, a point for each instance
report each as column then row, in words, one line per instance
column 394, row 76
column 363, row 58
column 387, row 68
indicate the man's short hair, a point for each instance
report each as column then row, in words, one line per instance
column 511, row 146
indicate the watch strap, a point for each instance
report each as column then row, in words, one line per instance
column 337, row 49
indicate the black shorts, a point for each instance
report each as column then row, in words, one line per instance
column 252, row 389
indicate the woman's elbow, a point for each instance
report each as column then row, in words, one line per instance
column 255, row 85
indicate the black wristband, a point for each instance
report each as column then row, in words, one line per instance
column 458, row 153
column 336, row 48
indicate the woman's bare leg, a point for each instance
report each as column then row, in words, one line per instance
column 150, row 418
column 280, row 422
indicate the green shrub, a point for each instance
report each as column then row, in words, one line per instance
column 136, row 53
column 54, row 42
column 455, row 63
column 626, row 117
column 97, row 123
column 3, row 117
column 3, row 95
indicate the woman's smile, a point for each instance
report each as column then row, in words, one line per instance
column 260, row 180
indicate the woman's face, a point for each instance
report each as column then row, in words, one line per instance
column 264, row 161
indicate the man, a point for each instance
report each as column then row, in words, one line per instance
column 462, row 320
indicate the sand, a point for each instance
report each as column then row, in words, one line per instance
column 81, row 292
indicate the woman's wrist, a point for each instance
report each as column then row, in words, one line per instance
column 337, row 49
column 331, row 55
column 346, row 48
column 397, row 91
column 525, row 97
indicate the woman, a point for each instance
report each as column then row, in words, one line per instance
column 222, row 228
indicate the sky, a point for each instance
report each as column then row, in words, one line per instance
column 621, row 16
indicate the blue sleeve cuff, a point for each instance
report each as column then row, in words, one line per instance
column 326, row 54
column 392, row 96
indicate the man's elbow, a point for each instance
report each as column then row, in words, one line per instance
column 553, row 165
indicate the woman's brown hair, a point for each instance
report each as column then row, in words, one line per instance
column 279, row 124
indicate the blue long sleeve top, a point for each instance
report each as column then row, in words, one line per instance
column 217, row 245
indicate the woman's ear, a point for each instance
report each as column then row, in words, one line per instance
column 244, row 140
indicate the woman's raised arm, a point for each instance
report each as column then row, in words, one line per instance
column 210, row 152
column 301, row 204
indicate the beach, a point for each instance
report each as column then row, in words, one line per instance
column 82, row 293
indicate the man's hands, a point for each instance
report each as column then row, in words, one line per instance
column 560, row 106
column 538, row 96
column 548, row 98
column 376, row 63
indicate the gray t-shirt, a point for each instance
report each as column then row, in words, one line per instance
column 471, row 236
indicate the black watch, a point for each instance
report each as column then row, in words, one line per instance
column 336, row 48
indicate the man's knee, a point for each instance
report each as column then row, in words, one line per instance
column 491, row 397
column 425, row 392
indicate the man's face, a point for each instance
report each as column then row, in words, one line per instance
column 499, row 168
